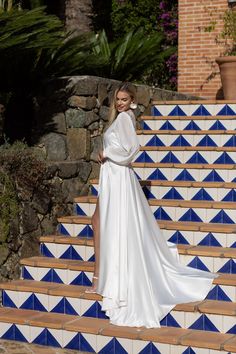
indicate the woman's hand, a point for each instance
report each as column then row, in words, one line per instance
column 101, row 158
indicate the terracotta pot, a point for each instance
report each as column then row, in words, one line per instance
column 227, row 67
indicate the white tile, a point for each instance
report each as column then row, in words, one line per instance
column 138, row 346
column 81, row 250
column 35, row 332
column 91, row 339
column 53, row 301
column 4, row 327
column 228, row 323
column 69, row 228
column 25, row 331
column 102, row 341
column 85, row 305
column 163, row 348
column 16, row 299
column 191, row 318
column 76, row 304
column 217, row 321
column 67, row 337
column 63, row 274
column 179, row 318
column 44, row 300
column 57, row 334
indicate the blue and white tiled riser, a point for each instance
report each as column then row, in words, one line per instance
column 190, row 174
column 187, row 157
column 163, row 124
column 91, row 342
column 74, row 230
column 194, row 110
column 204, row 140
column 61, row 276
column 210, row 264
column 65, row 251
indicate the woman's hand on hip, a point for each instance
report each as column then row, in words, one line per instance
column 101, row 158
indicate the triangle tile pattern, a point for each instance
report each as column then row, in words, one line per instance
column 64, row 305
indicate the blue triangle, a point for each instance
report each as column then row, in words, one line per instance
column 169, row 321
column 170, row 157
column 55, row 277
column 178, row 238
column 230, row 197
column 217, row 126
column 190, row 215
column 92, row 258
column 75, row 255
column 19, row 337
column 148, row 193
column 113, row 347
column 222, row 218
column 26, row 274
column 184, row 176
column 172, row 194
column 226, row 111
column 233, row 245
column 95, row 311
column 67, row 254
column 37, row 305
column 160, row 214
column 84, row 345
column 81, row 279
column 94, row 191
column 42, row 338
column 62, row 230
column 145, row 126
column 60, row 307
column 167, row 126
column 86, row 232
column 144, row 157
column 177, row 111
column 29, row 303
column 197, row 158
column 155, row 112
column 228, row 267
column 48, row 276
column 74, row 343
column 197, row 263
column 213, row 177
column 189, row 350
column 155, row 141
column 150, row 349
column 69, row 310
column 217, row 294
column 192, row 126
column 232, row 330
column 231, row 142
column 203, row 323
column 79, row 211
column 224, row 159
column 7, row 301
column 202, row 195
column 51, row 341
column 180, row 141
column 206, row 141
column 209, row 240
column 45, row 251
column 10, row 333
column 201, row 111
column 157, row 175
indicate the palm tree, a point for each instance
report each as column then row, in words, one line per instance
column 78, row 15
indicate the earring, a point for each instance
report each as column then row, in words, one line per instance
column 133, row 105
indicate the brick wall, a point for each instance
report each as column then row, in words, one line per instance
column 198, row 72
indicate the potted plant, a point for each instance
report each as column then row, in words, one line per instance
column 227, row 62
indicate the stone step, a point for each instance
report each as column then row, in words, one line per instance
column 186, row 172
column 221, row 138
column 185, row 156
column 188, row 123
column 98, row 335
column 175, row 210
column 187, row 190
column 73, row 300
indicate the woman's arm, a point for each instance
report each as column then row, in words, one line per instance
column 128, row 147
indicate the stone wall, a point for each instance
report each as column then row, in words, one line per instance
column 70, row 116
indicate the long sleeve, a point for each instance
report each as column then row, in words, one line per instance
column 127, row 145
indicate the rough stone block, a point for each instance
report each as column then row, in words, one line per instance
column 143, row 95
column 84, row 169
column 104, row 113
column 55, row 145
column 77, row 118
column 96, row 147
column 78, row 143
column 83, row 85
column 87, row 103
column 67, row 169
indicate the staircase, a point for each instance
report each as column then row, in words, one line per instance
column 186, row 167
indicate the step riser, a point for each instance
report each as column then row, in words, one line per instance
column 178, row 213
column 215, row 109
column 157, row 124
column 192, row 139
column 86, row 253
column 93, row 343
column 92, row 308
column 185, row 193
column 179, row 236
column 181, row 174
column 206, row 157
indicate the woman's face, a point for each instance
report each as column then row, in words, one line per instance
column 123, row 101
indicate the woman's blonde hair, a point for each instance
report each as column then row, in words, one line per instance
column 124, row 87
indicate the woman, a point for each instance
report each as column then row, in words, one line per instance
column 136, row 271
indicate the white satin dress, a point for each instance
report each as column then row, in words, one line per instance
column 140, row 277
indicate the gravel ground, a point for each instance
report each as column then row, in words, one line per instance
column 11, row 347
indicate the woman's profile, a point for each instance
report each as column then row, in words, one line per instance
column 137, row 271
